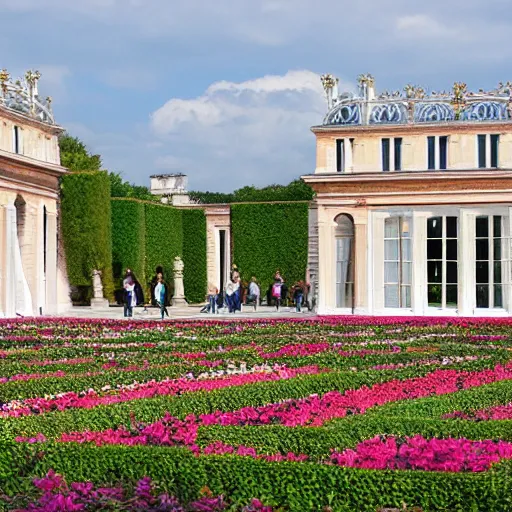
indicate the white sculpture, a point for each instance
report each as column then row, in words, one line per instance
column 98, row 301
column 179, row 291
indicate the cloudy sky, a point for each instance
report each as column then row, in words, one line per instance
column 226, row 90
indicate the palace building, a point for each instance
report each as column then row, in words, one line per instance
column 32, row 267
column 413, row 202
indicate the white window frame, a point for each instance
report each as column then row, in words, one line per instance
column 437, row 152
column 391, row 154
column 444, row 261
column 487, row 151
column 401, row 262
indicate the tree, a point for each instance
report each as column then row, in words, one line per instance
column 74, row 155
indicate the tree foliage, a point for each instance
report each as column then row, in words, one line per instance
column 75, row 156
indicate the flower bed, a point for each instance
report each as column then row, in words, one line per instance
column 349, row 413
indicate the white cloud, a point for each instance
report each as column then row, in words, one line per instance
column 255, row 131
column 424, row 26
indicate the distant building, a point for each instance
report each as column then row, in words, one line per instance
column 32, row 271
column 413, row 202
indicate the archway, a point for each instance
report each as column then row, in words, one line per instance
column 344, row 237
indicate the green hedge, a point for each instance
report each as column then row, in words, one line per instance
column 164, row 239
column 86, row 228
column 295, row 486
column 194, row 255
column 267, row 237
column 128, row 238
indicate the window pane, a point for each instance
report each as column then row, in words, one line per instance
column 391, row 296
column 498, row 296
column 482, row 296
column 434, row 295
column 451, row 296
column 385, row 154
column 406, row 273
column 391, row 227
column 451, row 227
column 391, row 250
column 451, row 250
column 431, row 148
column 451, row 272
column 482, row 160
column 496, row 225
column 482, row 272
column 443, row 144
column 497, row 249
column 482, row 227
column 497, row 272
column 398, row 153
column 390, row 272
column 482, row 249
column 434, row 249
column 495, row 139
column 406, row 296
column 406, row 249
column 435, row 227
column 435, row 271
column 340, row 155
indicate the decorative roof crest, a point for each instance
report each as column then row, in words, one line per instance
column 22, row 96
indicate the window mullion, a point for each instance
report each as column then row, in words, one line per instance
column 491, row 262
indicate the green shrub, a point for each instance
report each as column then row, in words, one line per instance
column 267, row 237
column 87, row 229
column 128, row 238
column 164, row 239
column 194, row 255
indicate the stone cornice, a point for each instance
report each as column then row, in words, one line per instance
column 24, row 120
column 450, row 127
column 15, row 161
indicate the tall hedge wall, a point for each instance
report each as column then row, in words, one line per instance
column 270, row 236
column 164, row 238
column 128, row 238
column 86, row 228
column 194, row 255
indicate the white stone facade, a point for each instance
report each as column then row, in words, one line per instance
column 32, row 266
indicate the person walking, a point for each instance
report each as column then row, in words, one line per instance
column 159, row 270
column 233, row 300
column 298, row 295
column 276, row 292
column 161, row 296
column 130, row 299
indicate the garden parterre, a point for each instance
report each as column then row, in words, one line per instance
column 320, row 414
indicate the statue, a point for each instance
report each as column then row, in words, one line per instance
column 98, row 301
column 179, row 292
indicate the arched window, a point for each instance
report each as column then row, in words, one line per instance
column 344, row 261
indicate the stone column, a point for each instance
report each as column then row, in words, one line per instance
column 179, row 292
column 361, row 266
column 3, row 260
column 51, row 263
column 326, row 267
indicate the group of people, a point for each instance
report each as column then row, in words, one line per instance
column 134, row 295
column 233, row 294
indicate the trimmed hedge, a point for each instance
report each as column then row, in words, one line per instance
column 164, row 239
column 296, row 486
column 267, row 237
column 87, row 229
column 128, row 238
column 194, row 255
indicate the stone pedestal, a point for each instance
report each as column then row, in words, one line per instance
column 179, row 291
column 99, row 303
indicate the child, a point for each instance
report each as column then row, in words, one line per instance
column 212, row 298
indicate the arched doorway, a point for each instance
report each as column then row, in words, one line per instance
column 344, row 236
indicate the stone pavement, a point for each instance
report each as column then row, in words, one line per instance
column 191, row 312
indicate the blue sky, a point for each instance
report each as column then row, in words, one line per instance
column 226, row 91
